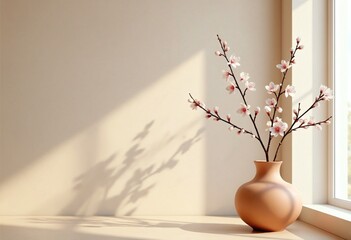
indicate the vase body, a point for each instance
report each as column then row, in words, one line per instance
column 267, row 202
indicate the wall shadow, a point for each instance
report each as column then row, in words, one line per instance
column 93, row 189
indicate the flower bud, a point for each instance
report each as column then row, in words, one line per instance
column 257, row 110
column 215, row 109
column 301, row 47
column 280, row 110
column 298, row 39
column 231, row 128
column 228, row 117
column 218, row 53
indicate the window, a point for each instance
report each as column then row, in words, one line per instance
column 341, row 177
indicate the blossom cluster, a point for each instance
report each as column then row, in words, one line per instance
column 242, row 84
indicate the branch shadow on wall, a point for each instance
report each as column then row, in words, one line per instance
column 93, row 189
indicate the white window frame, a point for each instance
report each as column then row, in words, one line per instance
column 333, row 110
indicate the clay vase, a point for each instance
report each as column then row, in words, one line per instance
column 267, row 202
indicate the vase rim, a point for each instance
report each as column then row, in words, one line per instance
column 265, row 162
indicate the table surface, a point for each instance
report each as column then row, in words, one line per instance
column 146, row 228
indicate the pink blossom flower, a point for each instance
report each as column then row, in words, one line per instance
column 326, row 92
column 250, row 86
column 194, row 104
column 279, row 127
column 244, row 76
column 290, row 91
column 271, row 87
column 234, row 61
column 283, row 66
column 244, row 110
column 226, row 74
column 230, row 88
column 271, row 102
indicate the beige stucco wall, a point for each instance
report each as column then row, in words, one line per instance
column 94, row 112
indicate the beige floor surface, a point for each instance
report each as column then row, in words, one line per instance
column 145, row 228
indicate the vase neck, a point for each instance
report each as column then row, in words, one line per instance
column 267, row 170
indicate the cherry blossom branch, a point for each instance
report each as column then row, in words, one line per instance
column 217, row 117
column 291, row 61
column 315, row 124
column 297, row 118
column 242, row 94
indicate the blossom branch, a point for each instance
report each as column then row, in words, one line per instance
column 291, row 61
column 217, row 117
column 242, row 94
column 322, row 96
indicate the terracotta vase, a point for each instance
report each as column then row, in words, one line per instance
column 267, row 202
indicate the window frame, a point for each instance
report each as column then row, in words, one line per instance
column 332, row 199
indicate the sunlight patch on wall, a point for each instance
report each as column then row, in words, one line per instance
column 146, row 157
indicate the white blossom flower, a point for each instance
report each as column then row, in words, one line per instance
column 271, row 87
column 290, row 91
column 267, row 109
column 244, row 76
column 326, row 92
column 230, row 88
column 250, row 86
column 234, row 61
column 226, row 74
column 271, row 102
column 319, row 127
column 280, row 110
column 244, row 110
column 283, row 66
column 279, row 127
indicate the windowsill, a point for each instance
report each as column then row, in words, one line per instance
column 329, row 218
